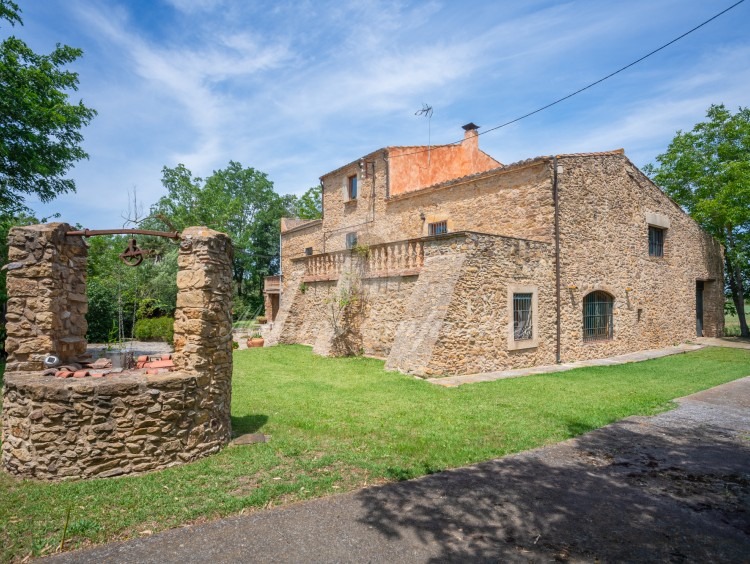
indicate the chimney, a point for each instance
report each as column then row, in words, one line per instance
column 471, row 138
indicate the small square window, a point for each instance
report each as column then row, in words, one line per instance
column 351, row 240
column 308, row 251
column 351, row 184
column 655, row 241
column 437, row 228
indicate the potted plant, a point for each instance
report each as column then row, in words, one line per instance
column 255, row 341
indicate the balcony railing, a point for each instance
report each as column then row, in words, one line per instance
column 399, row 258
column 327, row 266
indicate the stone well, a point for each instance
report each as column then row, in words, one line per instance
column 120, row 424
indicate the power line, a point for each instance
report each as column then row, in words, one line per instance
column 646, row 56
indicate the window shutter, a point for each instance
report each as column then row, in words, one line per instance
column 345, row 189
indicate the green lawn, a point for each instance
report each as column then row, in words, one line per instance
column 339, row 424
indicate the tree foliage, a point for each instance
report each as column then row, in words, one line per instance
column 307, row 206
column 119, row 295
column 707, row 171
column 40, row 137
column 238, row 201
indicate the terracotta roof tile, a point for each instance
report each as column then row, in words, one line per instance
column 596, row 154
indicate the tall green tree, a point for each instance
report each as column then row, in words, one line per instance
column 236, row 200
column 40, row 137
column 307, row 206
column 707, row 171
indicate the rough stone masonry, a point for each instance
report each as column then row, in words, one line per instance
column 69, row 428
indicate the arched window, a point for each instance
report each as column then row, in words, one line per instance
column 597, row 316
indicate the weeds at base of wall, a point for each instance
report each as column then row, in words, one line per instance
column 346, row 310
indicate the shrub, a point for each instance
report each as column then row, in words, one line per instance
column 155, row 329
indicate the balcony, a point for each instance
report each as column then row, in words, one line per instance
column 272, row 285
column 400, row 258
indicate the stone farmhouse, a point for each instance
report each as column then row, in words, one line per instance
column 444, row 261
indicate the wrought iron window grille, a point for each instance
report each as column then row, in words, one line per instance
column 523, row 326
column 655, row 241
column 597, row 317
column 437, row 228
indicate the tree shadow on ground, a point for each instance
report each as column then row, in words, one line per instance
column 248, row 423
column 630, row 492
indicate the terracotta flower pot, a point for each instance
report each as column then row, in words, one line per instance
column 255, row 342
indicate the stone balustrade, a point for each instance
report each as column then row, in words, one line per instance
column 399, row 258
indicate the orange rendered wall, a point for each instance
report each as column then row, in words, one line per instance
column 414, row 168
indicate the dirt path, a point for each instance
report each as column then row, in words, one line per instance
column 674, row 487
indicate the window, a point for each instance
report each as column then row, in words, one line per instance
column 523, row 324
column 523, row 317
column 351, row 240
column 655, row 241
column 597, row 316
column 351, row 185
column 437, row 228
column 308, row 251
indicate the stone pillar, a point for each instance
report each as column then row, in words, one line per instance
column 46, row 296
column 203, row 323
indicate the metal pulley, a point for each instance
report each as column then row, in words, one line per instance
column 133, row 256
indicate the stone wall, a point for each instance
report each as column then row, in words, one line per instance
column 203, row 320
column 342, row 215
column 454, row 316
column 130, row 422
column 46, row 281
column 294, row 241
column 515, row 201
column 64, row 428
column 604, row 202
column 474, row 334
column 458, row 318
column 308, row 317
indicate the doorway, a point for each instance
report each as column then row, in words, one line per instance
column 699, row 284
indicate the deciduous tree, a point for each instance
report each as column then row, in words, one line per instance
column 307, row 206
column 40, row 137
column 707, row 171
column 235, row 200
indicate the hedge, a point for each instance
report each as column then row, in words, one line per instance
column 155, row 329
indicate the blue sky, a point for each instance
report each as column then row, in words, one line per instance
column 296, row 89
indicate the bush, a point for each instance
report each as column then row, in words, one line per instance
column 155, row 329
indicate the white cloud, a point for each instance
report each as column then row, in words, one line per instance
column 297, row 88
column 194, row 77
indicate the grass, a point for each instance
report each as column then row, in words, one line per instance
column 340, row 424
column 249, row 324
column 732, row 323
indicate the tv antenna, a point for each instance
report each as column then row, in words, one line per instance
column 426, row 111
